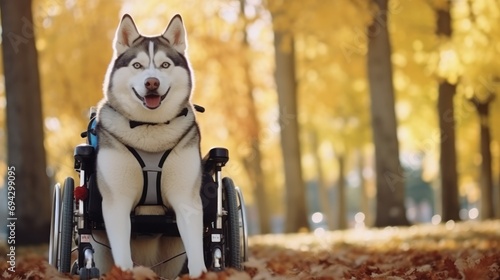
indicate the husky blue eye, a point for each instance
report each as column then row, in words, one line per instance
column 165, row 65
column 137, row 65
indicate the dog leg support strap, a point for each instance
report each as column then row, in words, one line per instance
column 151, row 164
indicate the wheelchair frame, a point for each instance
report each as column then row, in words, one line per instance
column 225, row 238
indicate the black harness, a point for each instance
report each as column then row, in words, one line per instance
column 134, row 124
column 151, row 163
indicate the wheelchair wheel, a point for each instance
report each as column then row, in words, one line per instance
column 243, row 225
column 54, row 225
column 232, row 226
column 66, row 226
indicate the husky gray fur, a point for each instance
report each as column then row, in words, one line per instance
column 149, row 83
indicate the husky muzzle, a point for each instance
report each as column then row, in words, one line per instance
column 152, row 99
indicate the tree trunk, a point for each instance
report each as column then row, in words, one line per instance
column 448, row 158
column 296, row 211
column 254, row 162
column 487, row 199
column 342, row 208
column 253, row 165
column 390, row 209
column 497, row 204
column 25, row 124
column 365, row 201
column 323, row 189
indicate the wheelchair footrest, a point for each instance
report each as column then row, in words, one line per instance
column 154, row 224
column 89, row 273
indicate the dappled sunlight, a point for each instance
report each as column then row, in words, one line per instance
column 449, row 236
column 331, row 75
column 449, row 65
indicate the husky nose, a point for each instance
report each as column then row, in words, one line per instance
column 152, row 84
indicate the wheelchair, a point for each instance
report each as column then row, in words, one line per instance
column 76, row 212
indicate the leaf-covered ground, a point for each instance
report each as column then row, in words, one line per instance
column 468, row 250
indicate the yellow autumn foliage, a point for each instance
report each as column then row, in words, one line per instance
column 74, row 44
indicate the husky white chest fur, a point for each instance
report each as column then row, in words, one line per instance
column 146, row 112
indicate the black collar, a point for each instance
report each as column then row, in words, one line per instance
column 134, row 124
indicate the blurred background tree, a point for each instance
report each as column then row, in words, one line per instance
column 26, row 153
column 446, row 111
column 232, row 47
column 390, row 179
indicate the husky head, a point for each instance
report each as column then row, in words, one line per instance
column 149, row 78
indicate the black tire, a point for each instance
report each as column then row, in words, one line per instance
column 232, row 226
column 66, row 226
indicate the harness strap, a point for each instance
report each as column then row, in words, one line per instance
column 134, row 124
column 151, row 164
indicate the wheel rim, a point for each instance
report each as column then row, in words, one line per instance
column 54, row 225
column 243, row 224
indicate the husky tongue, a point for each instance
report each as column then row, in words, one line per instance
column 152, row 101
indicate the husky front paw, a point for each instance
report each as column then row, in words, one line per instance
column 195, row 270
column 124, row 264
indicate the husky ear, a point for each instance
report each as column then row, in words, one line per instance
column 176, row 34
column 125, row 34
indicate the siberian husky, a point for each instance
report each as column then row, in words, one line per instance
column 147, row 114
